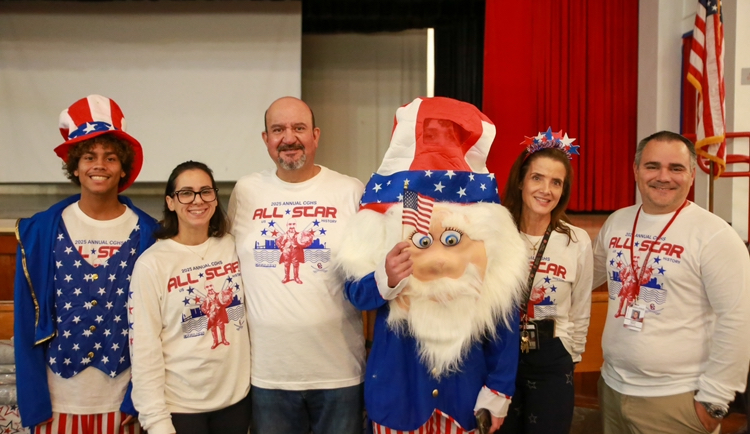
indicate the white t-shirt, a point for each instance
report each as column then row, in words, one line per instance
column 563, row 281
column 695, row 290
column 305, row 334
column 189, row 337
column 92, row 391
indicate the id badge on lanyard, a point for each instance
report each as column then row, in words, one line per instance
column 635, row 313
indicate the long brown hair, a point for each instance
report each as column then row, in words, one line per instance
column 512, row 197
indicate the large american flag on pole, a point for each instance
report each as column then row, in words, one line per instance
column 417, row 211
column 706, row 74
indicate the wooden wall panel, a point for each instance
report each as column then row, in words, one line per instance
column 6, row 319
column 7, row 265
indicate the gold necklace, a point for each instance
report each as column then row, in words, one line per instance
column 205, row 252
column 532, row 246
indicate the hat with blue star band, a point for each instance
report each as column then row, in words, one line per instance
column 440, row 146
column 94, row 116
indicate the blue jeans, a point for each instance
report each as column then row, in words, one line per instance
column 320, row 411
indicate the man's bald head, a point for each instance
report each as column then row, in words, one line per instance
column 284, row 101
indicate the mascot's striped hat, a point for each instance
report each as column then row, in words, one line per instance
column 93, row 116
column 440, row 146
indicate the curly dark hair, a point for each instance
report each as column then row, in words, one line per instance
column 169, row 226
column 121, row 148
column 513, row 199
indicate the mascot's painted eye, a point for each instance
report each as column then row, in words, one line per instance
column 450, row 238
column 422, row 241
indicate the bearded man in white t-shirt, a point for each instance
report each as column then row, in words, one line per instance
column 684, row 273
column 307, row 341
column 72, row 280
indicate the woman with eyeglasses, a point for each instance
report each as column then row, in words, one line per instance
column 189, row 339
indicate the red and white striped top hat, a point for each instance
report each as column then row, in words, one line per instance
column 440, row 146
column 409, row 151
column 94, row 116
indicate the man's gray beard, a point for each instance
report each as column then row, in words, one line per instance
column 295, row 165
column 445, row 316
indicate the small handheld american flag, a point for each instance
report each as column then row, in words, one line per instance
column 417, row 210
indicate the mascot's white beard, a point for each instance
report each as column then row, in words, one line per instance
column 445, row 316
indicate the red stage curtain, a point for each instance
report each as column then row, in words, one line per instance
column 571, row 65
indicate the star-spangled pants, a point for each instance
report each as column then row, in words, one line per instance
column 438, row 423
column 103, row 423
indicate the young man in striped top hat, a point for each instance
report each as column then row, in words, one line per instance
column 72, row 280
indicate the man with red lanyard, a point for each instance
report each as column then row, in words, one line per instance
column 687, row 274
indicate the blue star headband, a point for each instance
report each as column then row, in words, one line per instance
column 550, row 140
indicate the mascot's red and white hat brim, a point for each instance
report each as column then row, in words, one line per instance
column 94, row 116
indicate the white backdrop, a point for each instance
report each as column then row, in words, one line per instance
column 355, row 83
column 192, row 78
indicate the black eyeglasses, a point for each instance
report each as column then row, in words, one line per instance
column 188, row 196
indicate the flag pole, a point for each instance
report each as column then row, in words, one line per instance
column 711, row 187
column 403, row 202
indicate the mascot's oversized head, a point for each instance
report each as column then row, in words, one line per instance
column 433, row 189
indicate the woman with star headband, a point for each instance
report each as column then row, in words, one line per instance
column 189, row 337
column 556, row 310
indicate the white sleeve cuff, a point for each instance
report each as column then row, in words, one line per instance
column 381, row 278
column 163, row 426
column 495, row 402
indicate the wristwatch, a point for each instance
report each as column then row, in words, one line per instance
column 716, row 411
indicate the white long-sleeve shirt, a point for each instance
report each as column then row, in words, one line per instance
column 305, row 334
column 564, row 277
column 696, row 294
column 185, row 299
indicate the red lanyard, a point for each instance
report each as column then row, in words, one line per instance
column 632, row 241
